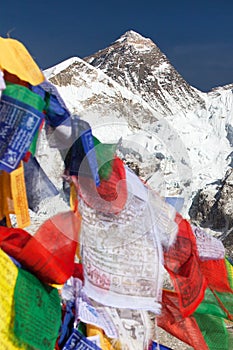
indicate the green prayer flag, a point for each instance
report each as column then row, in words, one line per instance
column 211, row 316
column 214, row 331
column 37, row 312
column 23, row 94
column 210, row 306
column 105, row 155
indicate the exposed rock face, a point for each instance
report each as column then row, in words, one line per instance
column 212, row 206
column 138, row 64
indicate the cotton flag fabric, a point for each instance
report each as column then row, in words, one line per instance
column 55, row 109
column 78, row 341
column 184, row 328
column 81, row 160
column 19, row 197
column 19, row 123
column 217, row 275
column 8, row 277
column 16, row 59
column 122, row 253
column 50, row 253
column 208, row 246
column 13, row 197
column 37, row 312
column 183, row 264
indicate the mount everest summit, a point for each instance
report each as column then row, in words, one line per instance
column 179, row 137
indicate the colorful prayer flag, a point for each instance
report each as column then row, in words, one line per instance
column 182, row 263
column 18, row 125
column 78, row 341
column 16, row 59
column 37, row 312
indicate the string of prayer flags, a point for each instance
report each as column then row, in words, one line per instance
column 37, row 312
column 16, row 59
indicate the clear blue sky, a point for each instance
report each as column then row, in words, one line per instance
column 196, row 36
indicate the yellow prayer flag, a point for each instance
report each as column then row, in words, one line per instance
column 6, row 201
column 19, row 196
column 16, row 59
column 104, row 341
column 8, row 276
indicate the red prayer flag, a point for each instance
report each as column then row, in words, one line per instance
column 171, row 320
column 182, row 263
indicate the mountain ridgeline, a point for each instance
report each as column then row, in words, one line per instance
column 131, row 90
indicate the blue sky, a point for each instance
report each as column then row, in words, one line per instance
column 196, row 36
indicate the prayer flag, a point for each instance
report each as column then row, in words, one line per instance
column 184, row 328
column 78, row 341
column 16, row 59
column 37, row 312
column 18, row 125
column 19, row 197
column 182, row 262
column 8, row 276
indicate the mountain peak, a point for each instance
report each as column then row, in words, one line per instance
column 138, row 64
column 133, row 38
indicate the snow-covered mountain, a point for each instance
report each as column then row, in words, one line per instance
column 138, row 64
column 181, row 138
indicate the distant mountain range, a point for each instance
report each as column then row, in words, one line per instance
column 181, row 138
